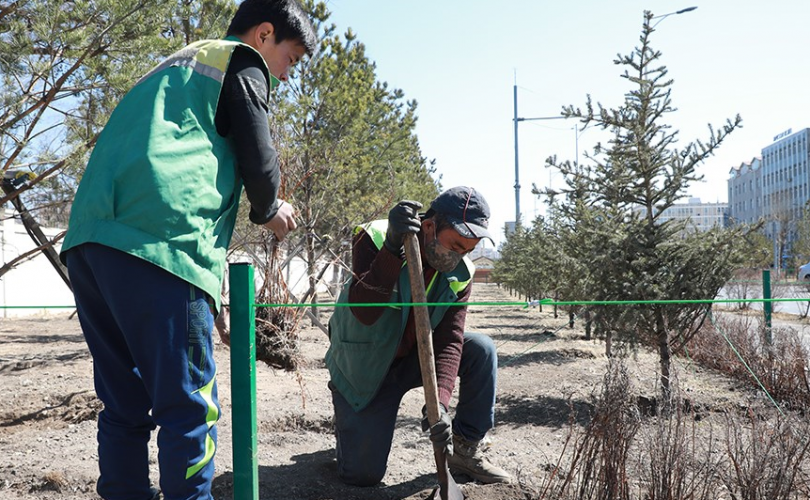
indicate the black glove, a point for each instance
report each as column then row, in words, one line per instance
column 402, row 219
column 441, row 433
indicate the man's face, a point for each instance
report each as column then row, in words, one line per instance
column 445, row 249
column 280, row 57
column 451, row 240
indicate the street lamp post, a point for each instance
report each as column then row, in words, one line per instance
column 663, row 16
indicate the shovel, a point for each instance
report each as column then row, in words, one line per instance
column 448, row 489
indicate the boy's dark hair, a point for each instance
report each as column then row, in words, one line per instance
column 288, row 18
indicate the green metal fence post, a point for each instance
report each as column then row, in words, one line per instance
column 767, row 306
column 243, row 382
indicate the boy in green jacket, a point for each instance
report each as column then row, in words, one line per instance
column 149, row 230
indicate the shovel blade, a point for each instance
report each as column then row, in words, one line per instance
column 447, row 489
column 450, row 491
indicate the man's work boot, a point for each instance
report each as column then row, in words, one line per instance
column 467, row 459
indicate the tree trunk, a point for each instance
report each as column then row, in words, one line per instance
column 588, row 324
column 309, row 224
column 665, row 357
column 311, row 272
column 555, row 305
column 35, row 231
column 334, row 286
column 608, row 333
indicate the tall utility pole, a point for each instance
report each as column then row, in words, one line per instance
column 517, row 164
column 516, row 120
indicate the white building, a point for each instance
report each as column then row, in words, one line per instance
column 700, row 216
column 785, row 180
column 775, row 188
column 33, row 283
column 745, row 192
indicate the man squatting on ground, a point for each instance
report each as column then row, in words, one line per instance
column 373, row 359
column 149, row 230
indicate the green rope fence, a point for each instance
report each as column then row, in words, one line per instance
column 243, row 355
column 542, row 302
column 524, row 304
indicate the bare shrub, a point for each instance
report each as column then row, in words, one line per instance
column 784, row 368
column 597, row 469
column 710, row 348
column 767, row 456
column 801, row 290
column 781, row 367
column 677, row 460
column 745, row 284
column 780, row 290
column 277, row 342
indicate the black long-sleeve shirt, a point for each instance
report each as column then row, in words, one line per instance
column 242, row 117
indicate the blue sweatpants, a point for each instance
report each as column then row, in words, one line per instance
column 150, row 336
column 364, row 437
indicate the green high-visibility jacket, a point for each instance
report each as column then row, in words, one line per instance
column 161, row 183
column 359, row 355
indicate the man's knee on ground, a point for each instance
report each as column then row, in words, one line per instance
column 368, row 477
column 481, row 346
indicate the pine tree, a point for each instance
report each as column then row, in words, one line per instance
column 66, row 64
column 614, row 205
column 347, row 144
column 801, row 245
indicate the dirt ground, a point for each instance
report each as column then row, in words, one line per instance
column 47, row 419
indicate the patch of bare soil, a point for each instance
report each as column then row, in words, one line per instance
column 547, row 375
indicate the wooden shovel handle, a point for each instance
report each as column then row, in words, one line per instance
column 424, row 338
column 448, row 489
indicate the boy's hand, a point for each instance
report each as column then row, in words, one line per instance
column 283, row 222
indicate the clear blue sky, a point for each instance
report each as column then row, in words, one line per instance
column 459, row 60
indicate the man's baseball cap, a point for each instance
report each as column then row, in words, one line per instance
column 464, row 208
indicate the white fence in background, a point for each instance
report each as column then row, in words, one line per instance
column 36, row 282
column 33, row 283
